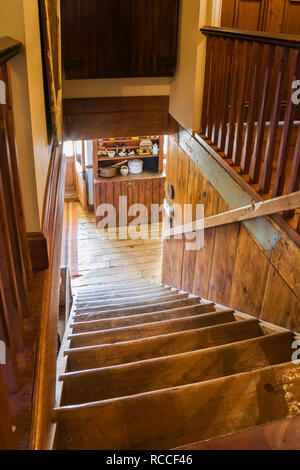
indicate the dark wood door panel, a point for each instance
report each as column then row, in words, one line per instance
column 273, row 16
column 119, row 38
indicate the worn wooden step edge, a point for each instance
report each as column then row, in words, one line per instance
column 127, row 287
column 176, row 370
column 111, row 298
column 130, row 293
column 282, row 434
column 153, row 329
column 185, row 414
column 141, row 318
column 123, row 303
column 151, row 307
column 137, row 296
column 224, row 333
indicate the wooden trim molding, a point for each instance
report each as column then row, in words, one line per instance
column 283, row 40
column 38, row 251
column 44, row 388
column 9, row 47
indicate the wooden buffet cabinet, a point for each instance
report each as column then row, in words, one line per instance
column 146, row 188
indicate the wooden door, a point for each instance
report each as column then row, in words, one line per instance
column 119, row 38
column 80, row 173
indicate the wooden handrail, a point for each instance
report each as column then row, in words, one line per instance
column 283, row 40
column 9, row 47
column 252, row 211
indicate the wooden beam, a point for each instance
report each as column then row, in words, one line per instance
column 259, row 209
column 95, row 118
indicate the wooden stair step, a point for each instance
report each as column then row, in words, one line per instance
column 173, row 371
column 141, row 318
column 109, row 289
column 283, row 434
column 150, row 329
column 146, row 291
column 128, row 302
column 165, row 345
column 174, row 417
column 134, row 310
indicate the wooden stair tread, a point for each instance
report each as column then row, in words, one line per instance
column 283, row 434
column 154, row 307
column 150, row 329
column 141, row 318
column 127, row 298
column 164, row 345
column 135, row 301
column 145, row 291
column 176, row 370
column 107, row 289
column 173, row 417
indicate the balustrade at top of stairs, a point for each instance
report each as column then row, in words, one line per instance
column 146, row 366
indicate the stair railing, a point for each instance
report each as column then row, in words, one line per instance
column 15, row 264
column 251, row 108
column 288, row 202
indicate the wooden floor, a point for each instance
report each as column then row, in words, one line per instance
column 105, row 260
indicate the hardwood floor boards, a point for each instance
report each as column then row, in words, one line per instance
column 111, row 257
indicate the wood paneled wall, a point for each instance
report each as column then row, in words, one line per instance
column 272, row 16
column 232, row 268
column 96, row 118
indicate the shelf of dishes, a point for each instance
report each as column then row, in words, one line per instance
column 125, row 148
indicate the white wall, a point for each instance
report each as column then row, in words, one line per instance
column 116, row 87
column 187, row 85
column 41, row 150
column 12, row 24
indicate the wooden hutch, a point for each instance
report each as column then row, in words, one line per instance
column 146, row 188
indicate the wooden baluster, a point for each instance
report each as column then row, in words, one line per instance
column 10, row 369
column 16, row 174
column 257, row 56
column 224, row 104
column 295, row 174
column 8, row 438
column 7, row 172
column 279, row 180
column 242, row 97
column 219, row 90
column 8, row 282
column 213, row 98
column 207, row 85
column 281, row 67
column 263, row 113
column 233, row 99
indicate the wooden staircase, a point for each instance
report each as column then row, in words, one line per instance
column 149, row 367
